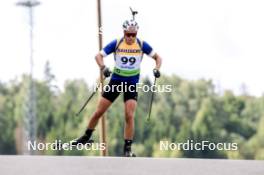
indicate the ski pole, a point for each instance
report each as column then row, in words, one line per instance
column 87, row 101
column 151, row 100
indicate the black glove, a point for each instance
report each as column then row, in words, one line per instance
column 106, row 71
column 156, row 73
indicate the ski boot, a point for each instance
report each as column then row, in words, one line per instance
column 129, row 153
column 82, row 140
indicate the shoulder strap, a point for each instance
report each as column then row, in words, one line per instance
column 118, row 42
column 140, row 43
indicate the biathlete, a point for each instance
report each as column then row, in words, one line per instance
column 128, row 53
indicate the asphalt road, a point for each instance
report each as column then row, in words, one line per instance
column 76, row 165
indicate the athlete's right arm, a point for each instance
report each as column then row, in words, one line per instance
column 108, row 49
column 99, row 60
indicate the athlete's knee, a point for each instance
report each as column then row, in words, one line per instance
column 98, row 113
column 102, row 107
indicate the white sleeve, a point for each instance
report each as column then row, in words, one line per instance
column 102, row 52
column 152, row 53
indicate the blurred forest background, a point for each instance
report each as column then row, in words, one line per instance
column 193, row 110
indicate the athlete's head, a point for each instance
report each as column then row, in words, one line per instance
column 130, row 28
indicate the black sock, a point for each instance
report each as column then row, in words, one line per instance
column 89, row 132
column 128, row 144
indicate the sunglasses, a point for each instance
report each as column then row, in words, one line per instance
column 131, row 34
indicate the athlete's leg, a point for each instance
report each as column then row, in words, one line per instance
column 101, row 108
column 130, row 99
column 130, row 107
column 108, row 97
column 105, row 101
column 103, row 105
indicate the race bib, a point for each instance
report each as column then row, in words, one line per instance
column 128, row 62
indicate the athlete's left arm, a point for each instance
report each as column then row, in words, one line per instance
column 158, row 60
